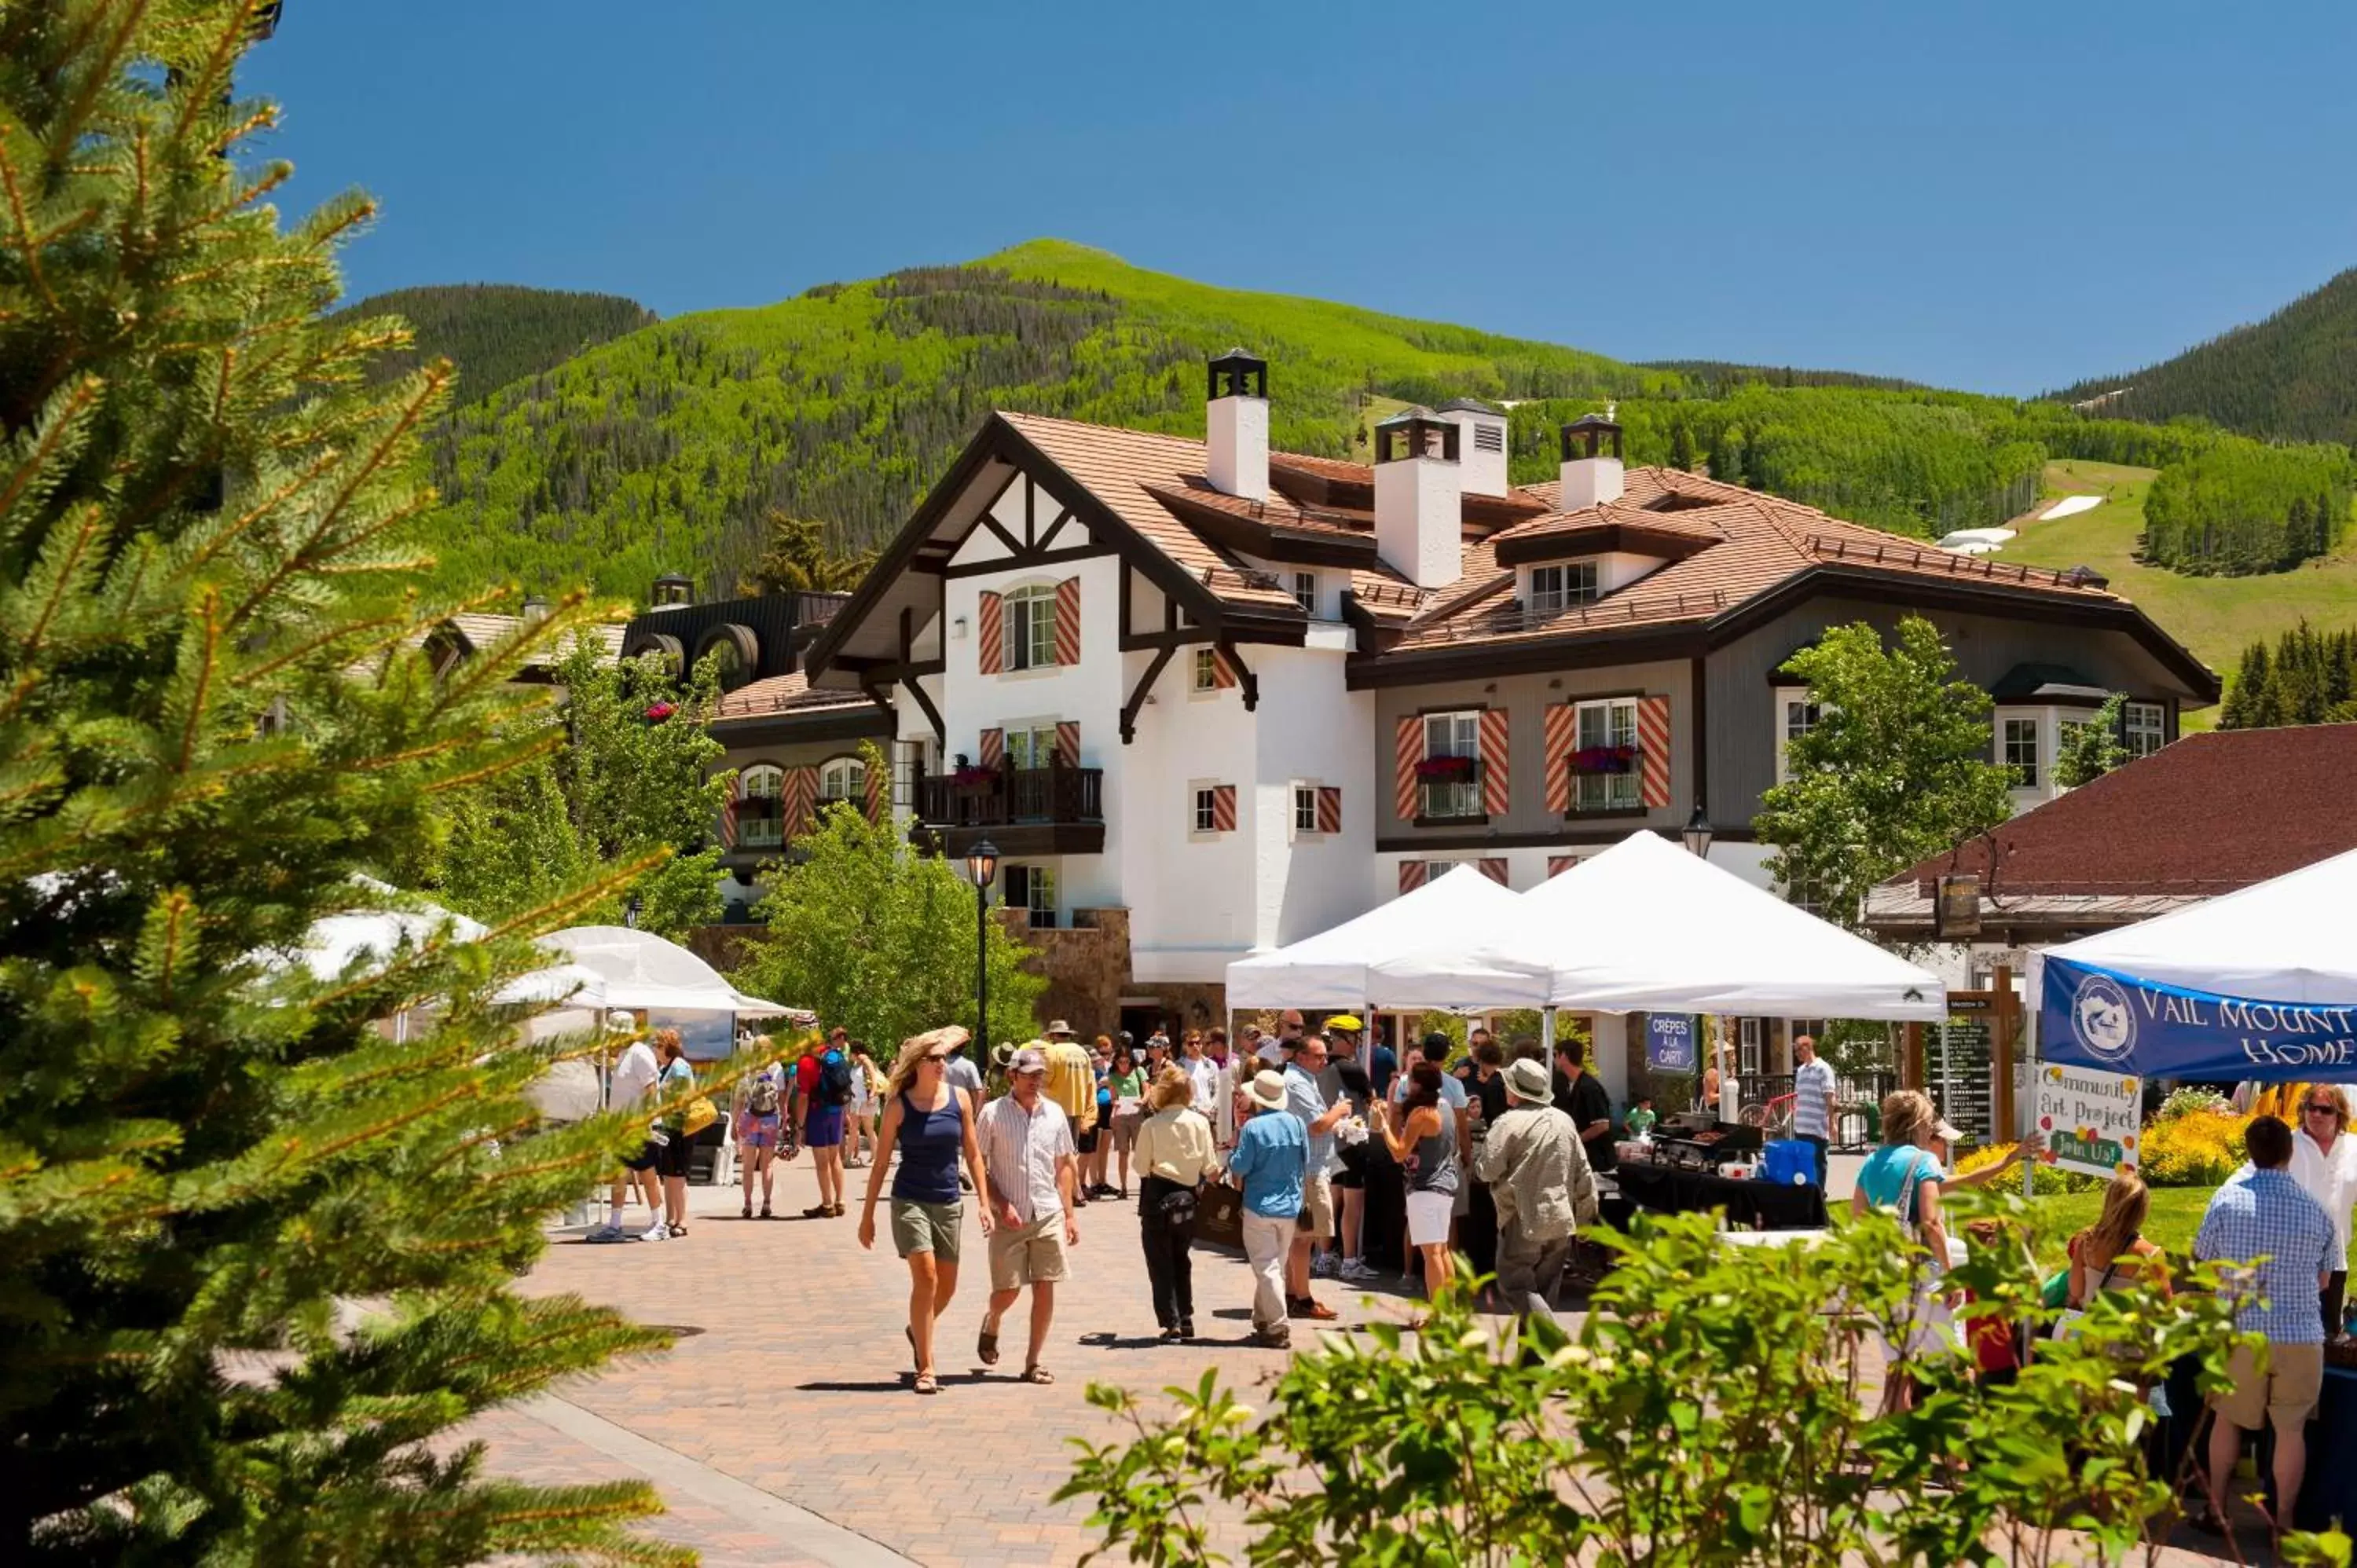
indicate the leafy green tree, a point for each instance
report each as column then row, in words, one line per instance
column 627, row 777
column 870, row 934
column 1896, row 768
column 2092, row 749
column 259, row 1257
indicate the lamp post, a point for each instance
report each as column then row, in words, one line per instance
column 1697, row 832
column 632, row 911
column 980, row 865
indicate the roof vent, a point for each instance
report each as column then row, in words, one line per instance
column 2087, row 578
column 671, row 591
column 1484, row 447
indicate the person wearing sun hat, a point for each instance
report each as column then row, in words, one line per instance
column 1539, row 1177
column 1271, row 1164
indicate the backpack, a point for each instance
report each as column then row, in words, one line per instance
column 833, row 1080
column 761, row 1099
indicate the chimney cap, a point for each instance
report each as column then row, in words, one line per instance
column 1592, row 422
column 1589, row 436
column 1471, row 405
column 1417, row 432
column 1238, row 374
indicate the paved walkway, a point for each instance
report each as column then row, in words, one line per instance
column 781, row 1429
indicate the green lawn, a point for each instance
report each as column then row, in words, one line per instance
column 2215, row 616
column 2176, row 1215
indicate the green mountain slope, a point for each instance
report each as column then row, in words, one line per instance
column 2291, row 377
column 497, row 333
column 668, row 448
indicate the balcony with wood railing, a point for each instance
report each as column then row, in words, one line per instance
column 1054, row 810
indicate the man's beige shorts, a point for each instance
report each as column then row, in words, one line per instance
column 1029, row 1255
column 2285, row 1393
column 1317, row 1202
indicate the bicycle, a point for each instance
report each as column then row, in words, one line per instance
column 1773, row 1117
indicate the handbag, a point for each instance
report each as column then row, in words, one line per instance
column 700, row 1114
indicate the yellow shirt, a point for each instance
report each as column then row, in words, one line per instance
column 1072, row 1083
column 1175, row 1145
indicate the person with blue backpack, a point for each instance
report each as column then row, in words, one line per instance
column 822, row 1094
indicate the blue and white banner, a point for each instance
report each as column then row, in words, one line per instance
column 1670, row 1042
column 2100, row 1018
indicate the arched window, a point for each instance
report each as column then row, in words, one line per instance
column 844, row 778
column 737, row 649
column 760, row 807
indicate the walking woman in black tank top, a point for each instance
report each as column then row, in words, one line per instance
column 929, row 1122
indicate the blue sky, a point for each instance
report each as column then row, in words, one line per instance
column 1999, row 196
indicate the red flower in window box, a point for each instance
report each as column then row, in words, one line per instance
column 1445, row 769
column 1604, row 759
column 657, row 713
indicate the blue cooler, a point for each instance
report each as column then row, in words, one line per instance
column 1788, row 1162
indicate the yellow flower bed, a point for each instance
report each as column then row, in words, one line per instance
column 2197, row 1150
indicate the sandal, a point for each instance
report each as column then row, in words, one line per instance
column 748, row 1212
column 925, row 1384
column 765, row 1212
column 1035, row 1373
column 985, row 1344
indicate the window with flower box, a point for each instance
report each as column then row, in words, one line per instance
column 843, row 778
column 760, row 808
column 1608, row 773
column 1448, row 779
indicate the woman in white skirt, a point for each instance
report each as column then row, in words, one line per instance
column 860, row 1121
column 1424, row 1141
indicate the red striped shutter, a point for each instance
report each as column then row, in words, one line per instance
column 1223, row 675
column 800, row 800
column 728, row 811
column 879, row 781
column 1068, row 742
column 1653, row 741
column 1411, row 876
column 1407, row 750
column 1559, row 863
column 1562, row 739
column 1497, row 774
column 1494, row 869
column 991, row 650
column 992, row 751
column 1223, row 808
column 1068, row 621
column 1329, row 809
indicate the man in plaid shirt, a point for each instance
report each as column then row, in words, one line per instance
column 2265, row 1217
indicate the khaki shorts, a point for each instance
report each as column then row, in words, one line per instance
column 1029, row 1255
column 1318, row 1203
column 927, row 1228
column 2286, row 1392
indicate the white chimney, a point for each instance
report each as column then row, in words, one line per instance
column 1236, row 426
column 1481, row 451
column 1419, row 488
column 1591, row 463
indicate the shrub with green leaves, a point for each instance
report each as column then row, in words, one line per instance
column 1712, row 1407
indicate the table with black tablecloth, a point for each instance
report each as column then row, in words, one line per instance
column 1764, row 1206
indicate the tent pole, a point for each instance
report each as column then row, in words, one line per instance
column 2030, row 1055
column 1546, row 1035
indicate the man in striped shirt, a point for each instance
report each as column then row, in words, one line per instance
column 1813, row 1100
column 1027, row 1149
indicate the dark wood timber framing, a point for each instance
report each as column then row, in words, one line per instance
column 1249, row 682
column 1698, row 685
column 1161, row 660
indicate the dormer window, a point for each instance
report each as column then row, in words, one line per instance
column 1305, row 593
column 1559, row 587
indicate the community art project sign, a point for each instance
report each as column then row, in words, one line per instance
column 2114, row 1022
column 2090, row 1118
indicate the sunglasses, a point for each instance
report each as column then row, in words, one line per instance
column 2321, row 1110
column 937, row 1056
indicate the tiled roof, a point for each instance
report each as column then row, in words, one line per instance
column 789, row 693
column 480, row 630
column 2202, row 816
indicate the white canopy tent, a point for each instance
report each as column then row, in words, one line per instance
column 642, row 970
column 2287, row 940
column 333, row 943
column 1649, row 926
column 1450, row 943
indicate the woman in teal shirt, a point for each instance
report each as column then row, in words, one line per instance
column 1904, row 1175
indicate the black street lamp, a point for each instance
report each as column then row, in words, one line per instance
column 980, row 865
column 1697, row 833
column 632, row 911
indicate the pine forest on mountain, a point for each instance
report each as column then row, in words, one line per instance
column 2291, row 377
column 2307, row 677
column 710, row 442
column 495, row 333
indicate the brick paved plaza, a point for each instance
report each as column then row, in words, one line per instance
column 781, row 1429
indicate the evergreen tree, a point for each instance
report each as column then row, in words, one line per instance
column 1681, row 446
column 1726, row 455
column 796, row 560
column 259, row 1256
column 2248, row 699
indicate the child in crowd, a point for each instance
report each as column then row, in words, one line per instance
column 1641, row 1118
